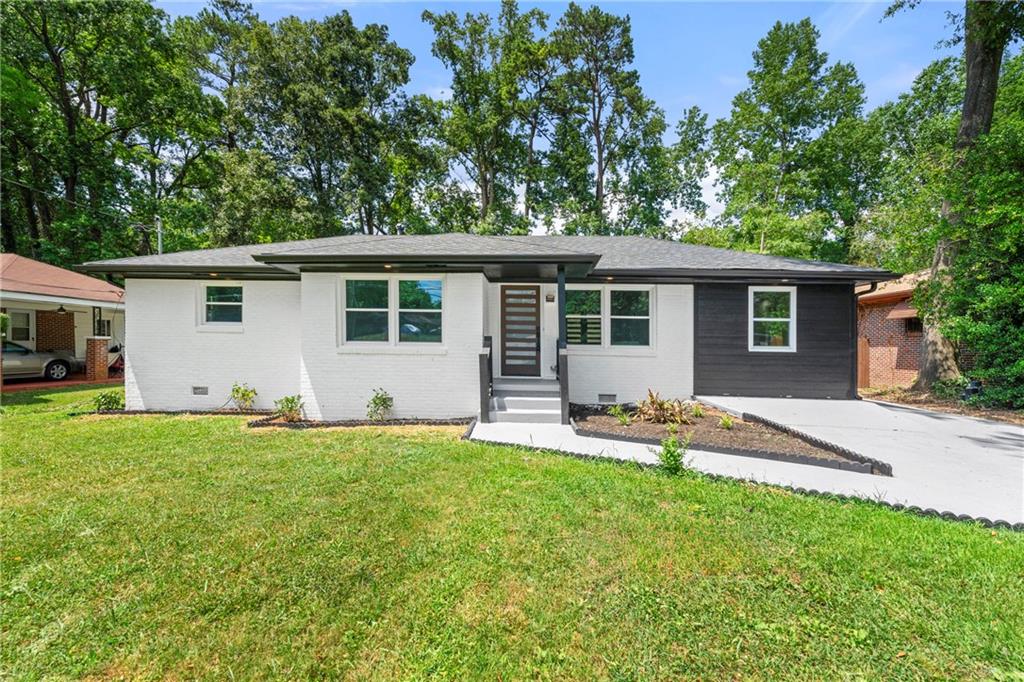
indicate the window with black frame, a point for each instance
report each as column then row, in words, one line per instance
column 583, row 317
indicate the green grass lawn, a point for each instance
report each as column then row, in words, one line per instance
column 193, row 547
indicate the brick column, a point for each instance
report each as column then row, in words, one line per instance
column 96, row 358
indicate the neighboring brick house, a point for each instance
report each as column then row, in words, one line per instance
column 889, row 334
column 53, row 309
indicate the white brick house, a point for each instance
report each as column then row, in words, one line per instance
column 460, row 325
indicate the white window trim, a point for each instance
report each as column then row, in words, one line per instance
column 607, row 347
column 392, row 345
column 229, row 327
column 791, row 348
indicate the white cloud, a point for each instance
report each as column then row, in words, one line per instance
column 840, row 18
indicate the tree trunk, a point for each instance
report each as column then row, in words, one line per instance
column 984, row 42
column 9, row 239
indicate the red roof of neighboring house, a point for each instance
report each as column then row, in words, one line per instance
column 893, row 290
column 24, row 275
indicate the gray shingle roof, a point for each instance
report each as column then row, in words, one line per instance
column 611, row 255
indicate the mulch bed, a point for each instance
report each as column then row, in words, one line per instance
column 278, row 422
column 705, row 432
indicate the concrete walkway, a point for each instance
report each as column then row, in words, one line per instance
column 940, row 461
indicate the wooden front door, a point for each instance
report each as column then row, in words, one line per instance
column 520, row 330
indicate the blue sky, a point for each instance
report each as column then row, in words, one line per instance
column 686, row 52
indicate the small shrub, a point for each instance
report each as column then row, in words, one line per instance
column 619, row 413
column 289, row 408
column 725, row 422
column 949, row 389
column 380, row 405
column 109, row 401
column 243, row 396
column 697, row 411
column 658, row 410
column 673, row 452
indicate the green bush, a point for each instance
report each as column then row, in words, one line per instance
column 949, row 389
column 109, row 401
column 379, row 406
column 725, row 422
column 697, row 411
column 289, row 408
column 243, row 396
column 673, row 452
column 619, row 413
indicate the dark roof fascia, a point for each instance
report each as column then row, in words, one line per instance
column 188, row 271
column 409, row 268
column 670, row 275
column 427, row 259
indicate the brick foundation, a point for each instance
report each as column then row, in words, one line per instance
column 96, row 358
column 894, row 354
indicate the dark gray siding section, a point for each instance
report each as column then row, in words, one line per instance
column 823, row 365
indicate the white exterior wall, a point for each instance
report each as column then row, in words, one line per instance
column 666, row 366
column 168, row 351
column 426, row 380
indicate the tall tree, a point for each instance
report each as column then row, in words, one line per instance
column 328, row 105
column 985, row 29
column 900, row 228
column 489, row 62
column 108, row 75
column 776, row 150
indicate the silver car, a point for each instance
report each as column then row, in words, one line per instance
column 19, row 361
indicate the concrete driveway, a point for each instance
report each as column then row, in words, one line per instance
column 940, row 461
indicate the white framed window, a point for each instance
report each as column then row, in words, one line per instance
column 630, row 317
column 420, row 315
column 772, row 319
column 397, row 310
column 609, row 316
column 221, row 305
column 367, row 310
column 583, row 316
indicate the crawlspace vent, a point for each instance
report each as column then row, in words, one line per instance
column 200, row 390
column 607, row 398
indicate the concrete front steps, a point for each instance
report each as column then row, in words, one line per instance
column 526, row 401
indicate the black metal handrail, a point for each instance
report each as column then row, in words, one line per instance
column 486, row 367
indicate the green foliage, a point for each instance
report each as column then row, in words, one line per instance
column 289, row 408
column 797, row 164
column 620, row 413
column 725, row 422
column 949, row 389
column 380, row 405
column 5, row 321
column 243, row 396
column 108, row 401
column 982, row 301
column 672, row 454
column 697, row 411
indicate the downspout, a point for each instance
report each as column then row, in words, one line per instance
column 854, row 335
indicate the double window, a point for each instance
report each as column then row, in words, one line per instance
column 384, row 309
column 607, row 316
column 222, row 304
column 772, row 318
